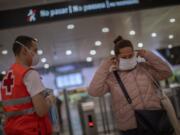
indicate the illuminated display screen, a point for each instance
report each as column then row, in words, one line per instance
column 69, row 80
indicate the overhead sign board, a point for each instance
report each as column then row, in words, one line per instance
column 71, row 9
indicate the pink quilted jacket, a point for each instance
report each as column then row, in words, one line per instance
column 138, row 84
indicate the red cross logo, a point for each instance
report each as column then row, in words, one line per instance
column 8, row 83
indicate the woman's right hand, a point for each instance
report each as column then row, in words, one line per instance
column 114, row 65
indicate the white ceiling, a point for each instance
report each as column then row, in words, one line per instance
column 55, row 39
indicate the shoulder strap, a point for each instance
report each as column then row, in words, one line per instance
column 122, row 87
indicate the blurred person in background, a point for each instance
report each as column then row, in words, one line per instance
column 59, row 109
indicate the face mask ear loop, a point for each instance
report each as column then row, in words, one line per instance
column 21, row 45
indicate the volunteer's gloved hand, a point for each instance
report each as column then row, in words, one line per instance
column 50, row 99
column 47, row 92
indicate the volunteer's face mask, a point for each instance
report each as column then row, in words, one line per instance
column 35, row 57
column 127, row 64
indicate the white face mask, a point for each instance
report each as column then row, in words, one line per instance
column 35, row 59
column 127, row 64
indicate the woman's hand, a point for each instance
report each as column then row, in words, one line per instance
column 114, row 65
column 141, row 53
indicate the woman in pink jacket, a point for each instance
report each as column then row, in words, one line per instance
column 135, row 77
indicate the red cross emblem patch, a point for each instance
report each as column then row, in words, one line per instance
column 8, row 83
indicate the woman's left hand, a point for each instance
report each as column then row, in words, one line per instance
column 141, row 53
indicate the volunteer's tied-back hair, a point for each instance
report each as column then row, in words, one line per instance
column 25, row 40
column 120, row 43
